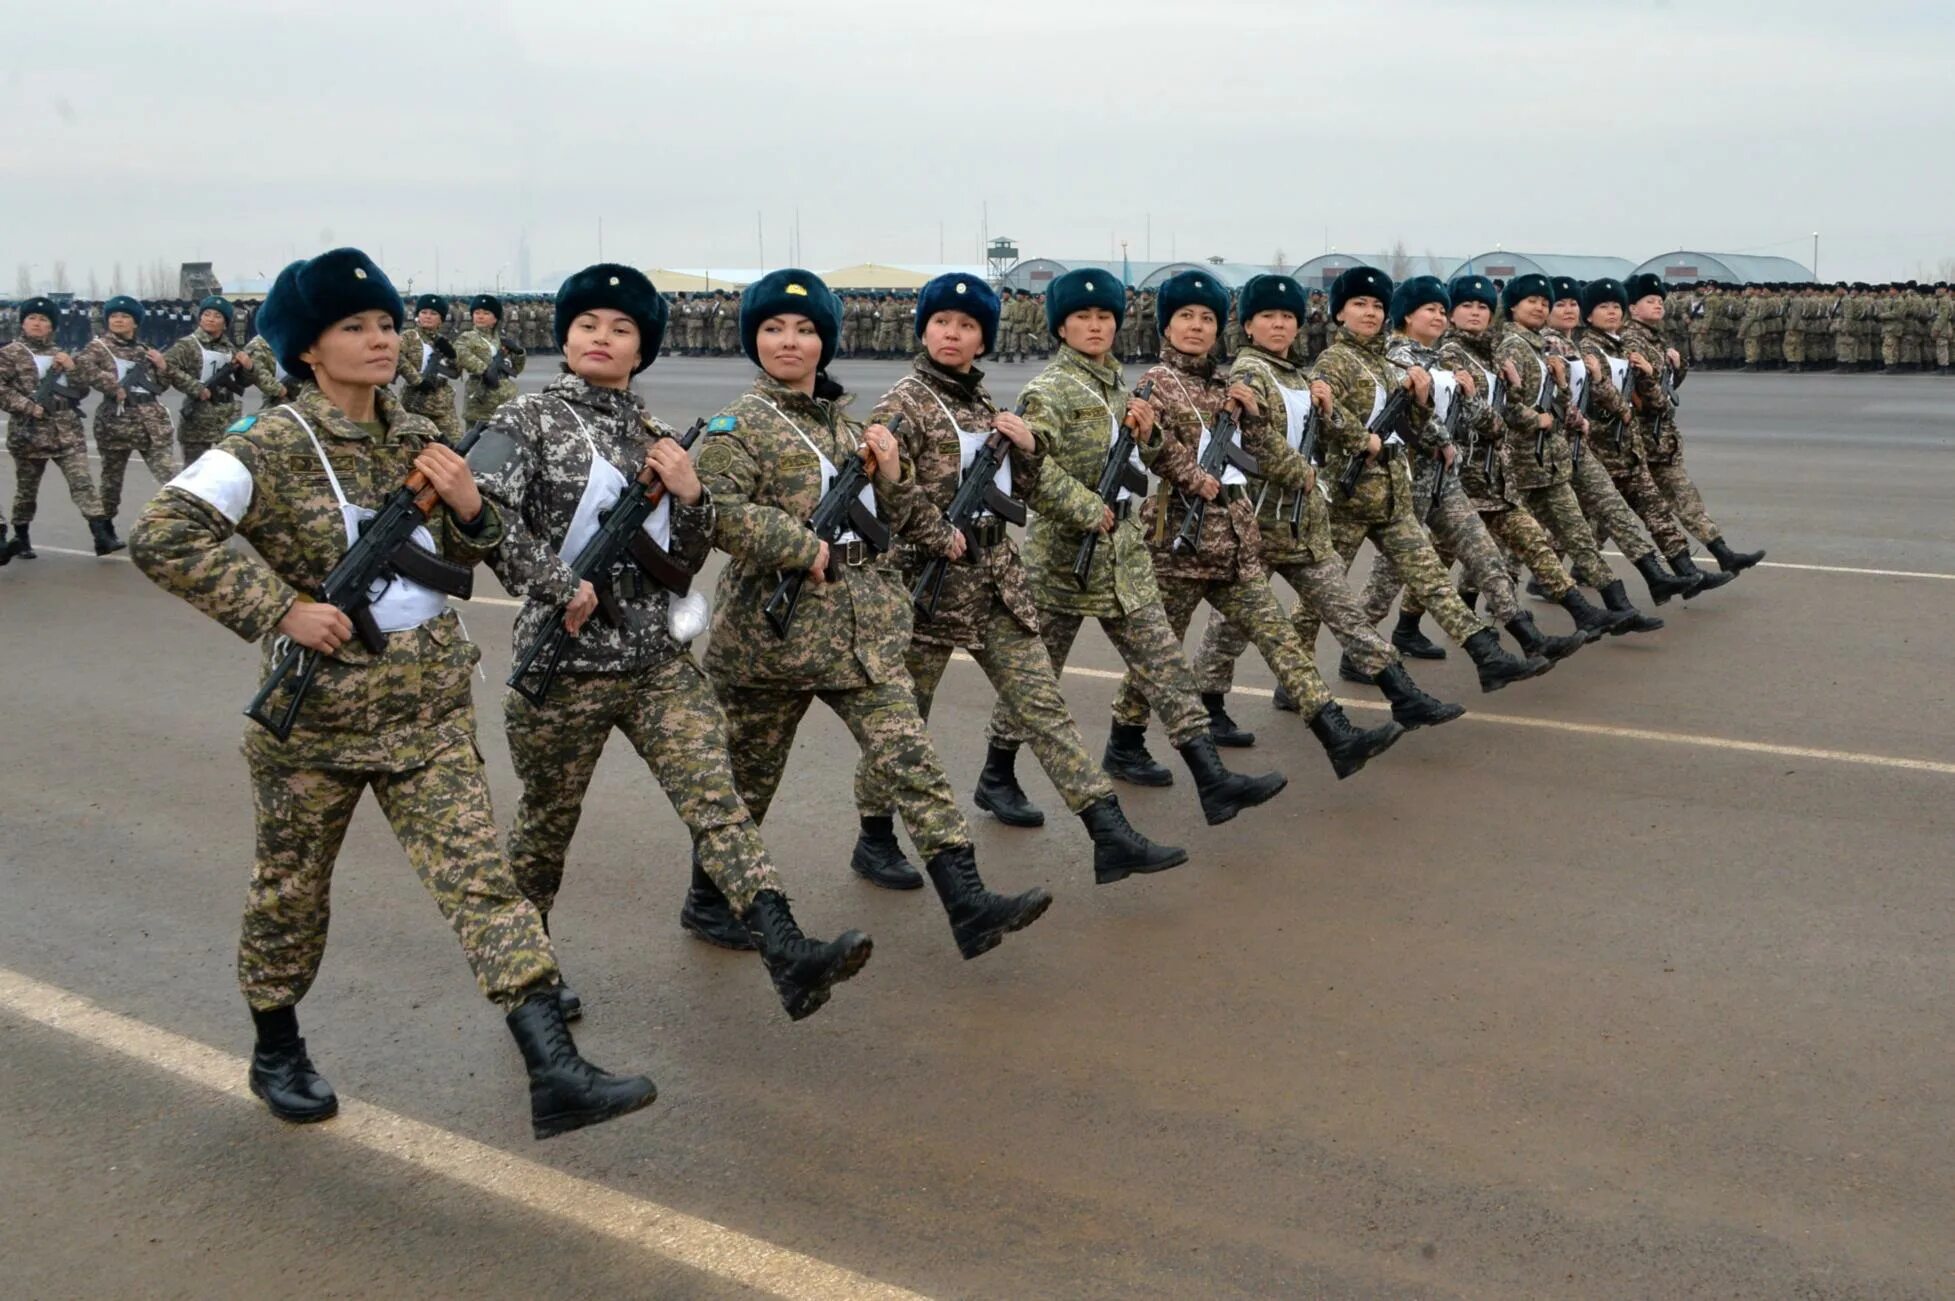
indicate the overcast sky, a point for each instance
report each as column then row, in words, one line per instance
column 425, row 132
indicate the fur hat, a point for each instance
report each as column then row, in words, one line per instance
column 1078, row 290
column 123, row 303
column 1192, row 289
column 958, row 292
column 1597, row 292
column 1642, row 285
column 1472, row 289
column 309, row 296
column 1359, row 282
column 622, row 288
column 1522, row 288
column 790, row 291
column 1271, row 293
column 1415, row 293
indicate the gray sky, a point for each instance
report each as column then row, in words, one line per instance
column 248, row 135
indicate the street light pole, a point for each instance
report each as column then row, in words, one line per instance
column 1815, row 257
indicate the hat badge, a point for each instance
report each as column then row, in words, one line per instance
column 1089, row 284
column 797, row 289
column 960, row 286
column 614, row 280
column 359, row 273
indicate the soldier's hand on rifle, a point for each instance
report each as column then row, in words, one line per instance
column 243, row 361
column 1642, row 363
column 1675, row 360
column 818, row 572
column 1320, row 394
column 1594, row 365
column 1106, row 519
column 316, row 626
column 666, row 459
column 1372, row 446
column 1467, row 384
column 203, row 395
column 883, row 444
column 1141, row 416
column 1448, row 454
column 1544, row 420
column 1510, row 374
column 1013, row 427
column 1244, row 398
column 1560, row 369
column 1207, row 487
column 955, row 548
column 1577, row 423
column 448, row 474
column 578, row 610
column 36, row 412
column 1419, row 380
column 157, row 359
column 62, row 361
column 121, row 395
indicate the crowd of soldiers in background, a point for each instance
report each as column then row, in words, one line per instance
column 1898, row 328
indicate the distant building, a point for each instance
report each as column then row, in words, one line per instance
column 1318, row 272
column 1685, row 265
column 1502, row 264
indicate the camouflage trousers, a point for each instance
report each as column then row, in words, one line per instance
column 761, row 722
column 1322, row 594
column 1249, row 610
column 159, row 457
column 1151, row 650
column 1458, row 533
column 669, row 714
column 1404, row 542
column 1559, row 511
column 437, row 405
column 73, row 464
column 440, row 814
column 1608, row 513
column 1015, row 663
column 1686, row 503
column 1639, row 490
column 1527, row 544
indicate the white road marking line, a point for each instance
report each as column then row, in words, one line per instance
column 1816, row 569
column 1621, row 733
column 647, row 1226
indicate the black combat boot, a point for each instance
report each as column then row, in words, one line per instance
column 573, row 1006
column 1497, row 668
column 1535, row 642
column 20, row 546
column 6, row 547
column 1617, row 600
column 879, row 860
column 1284, row 701
column 1590, row 621
column 102, row 529
column 979, row 919
column 1706, row 582
column 1470, row 597
column 1408, row 640
column 1412, row 707
column 565, row 1091
column 1126, row 758
column 1348, row 670
column 1535, row 590
column 1119, row 851
column 1731, row 562
column 283, row 1075
column 1347, row 747
column 707, row 915
column 1223, row 793
column 804, row 970
column 1223, row 728
column 1662, row 585
column 998, row 791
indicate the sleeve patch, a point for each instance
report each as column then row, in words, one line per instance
column 722, row 424
column 242, row 425
column 219, row 480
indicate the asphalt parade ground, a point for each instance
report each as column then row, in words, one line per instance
column 1633, row 982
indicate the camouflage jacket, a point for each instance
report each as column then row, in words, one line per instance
column 533, row 462
column 928, row 399
column 1535, row 460
column 1429, row 439
column 186, row 367
column 1187, row 399
column 1361, row 378
column 119, row 423
column 416, row 397
column 1484, row 426
column 765, row 481
column 386, row 712
column 1611, row 424
column 1285, row 473
column 1655, row 423
column 267, row 376
column 1073, row 406
column 474, row 350
column 56, row 431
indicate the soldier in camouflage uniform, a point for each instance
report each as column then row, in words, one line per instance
column 267, row 376
column 552, row 463
column 38, row 433
column 1195, row 403
column 1074, row 408
column 1941, row 331
column 726, row 326
column 1659, row 369
column 768, row 459
column 193, row 361
column 428, row 364
column 481, row 349
column 126, row 423
column 399, row 719
column 984, row 605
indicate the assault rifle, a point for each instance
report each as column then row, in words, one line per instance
column 54, row 385
column 499, row 368
column 440, row 364
column 227, row 383
column 385, row 549
column 1117, row 475
column 1307, row 449
column 620, row 536
column 840, row 510
column 1222, row 452
column 139, row 384
column 1543, row 405
column 1387, row 422
column 977, row 493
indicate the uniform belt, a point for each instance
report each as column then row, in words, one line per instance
column 849, row 553
column 1123, row 509
column 987, row 531
column 630, row 583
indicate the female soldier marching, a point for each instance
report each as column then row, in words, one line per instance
column 297, row 483
column 552, row 463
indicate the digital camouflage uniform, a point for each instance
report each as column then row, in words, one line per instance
column 850, row 634
column 985, row 606
column 1609, row 514
column 1538, row 465
column 435, row 398
column 1656, row 427
column 54, row 436
column 474, row 350
column 267, row 376
column 1303, row 553
column 1226, row 568
column 125, row 427
column 1073, row 407
column 533, row 462
column 190, row 361
column 1615, row 445
column 401, row 721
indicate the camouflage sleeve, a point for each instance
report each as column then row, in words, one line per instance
column 517, row 360
column 1479, row 411
column 905, row 505
column 408, row 374
column 1518, row 411
column 1347, row 379
column 1177, row 434
column 264, row 372
column 17, row 380
column 1057, row 494
column 1262, row 435
column 1654, row 405
column 750, row 531
column 472, row 353
column 505, row 463
column 1604, row 395
column 1428, row 435
column 180, row 545
column 95, row 367
column 692, row 526
column 183, row 367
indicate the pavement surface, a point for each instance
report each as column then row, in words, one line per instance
column 1631, row 983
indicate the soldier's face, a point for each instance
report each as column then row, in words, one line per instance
column 360, row 349
column 484, row 318
column 1648, row 310
column 122, row 325
column 1472, row 316
column 1530, row 313
column 37, row 327
column 1426, row 322
column 1606, row 316
column 1272, row 331
column 1566, row 314
column 1363, row 316
column 210, row 321
column 428, row 319
column 602, row 347
column 789, row 347
column 1192, row 330
column 1089, row 330
column 953, row 339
